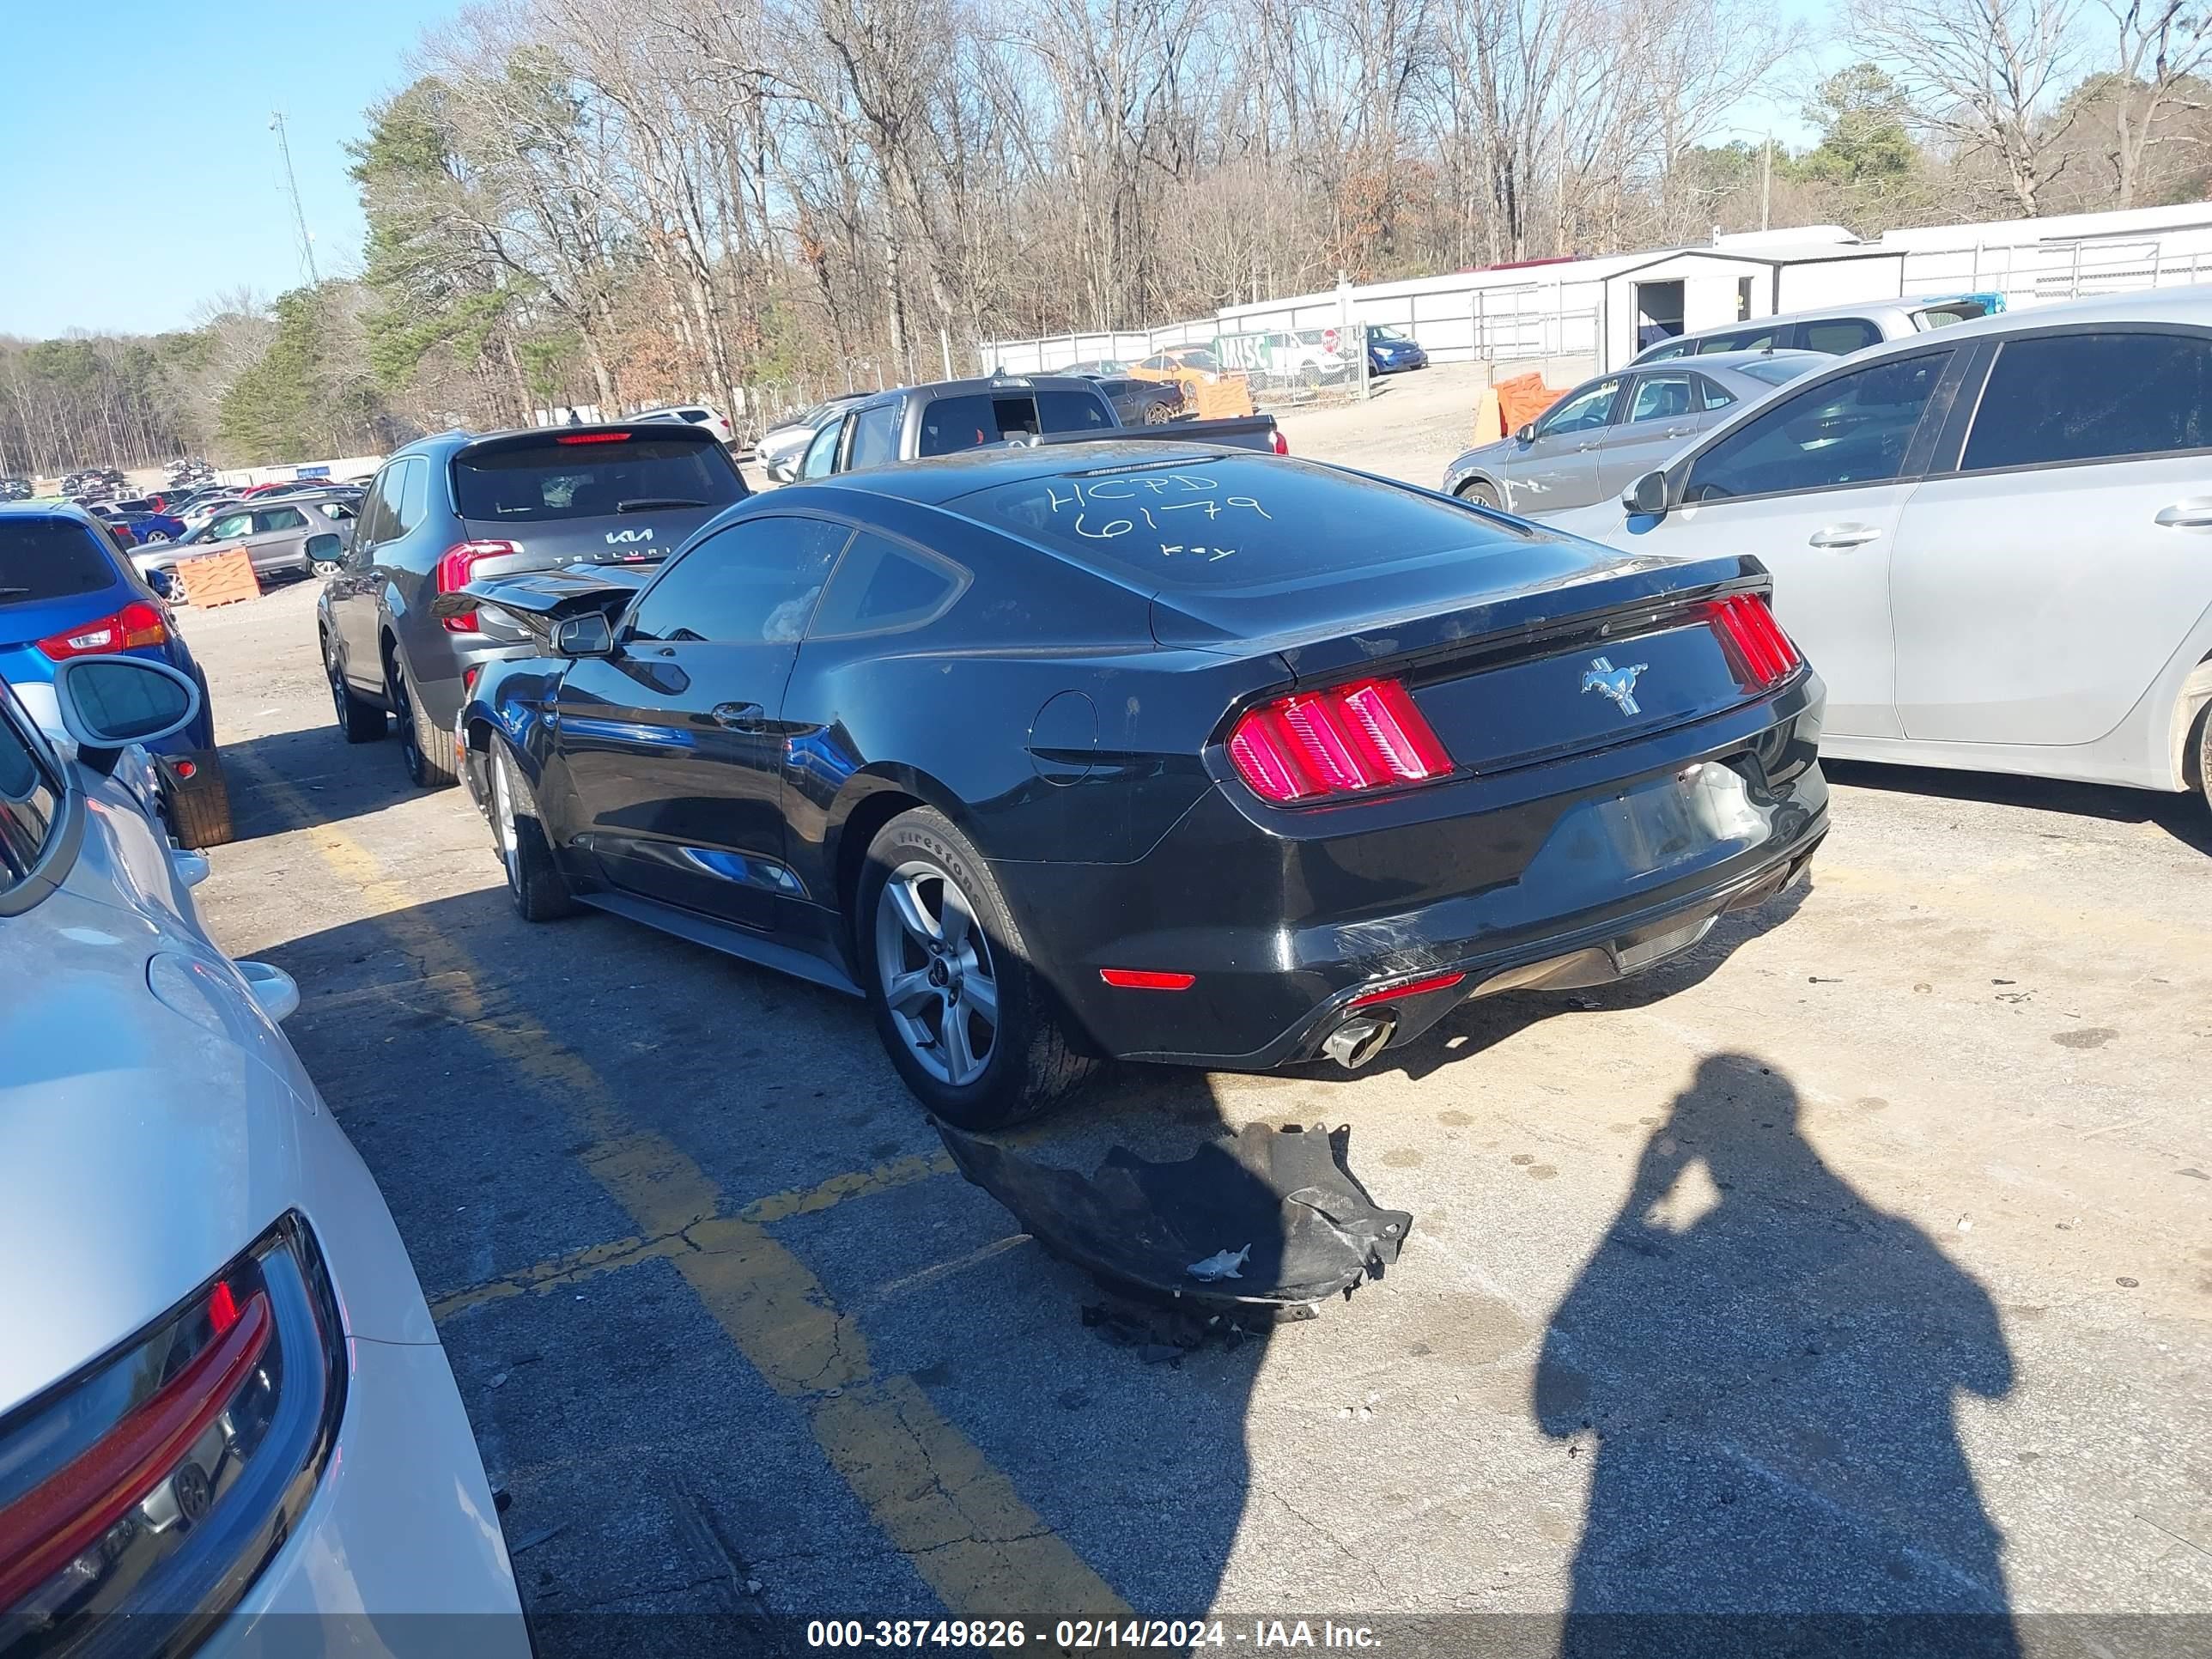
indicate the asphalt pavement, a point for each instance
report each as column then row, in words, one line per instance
column 1860, row 1258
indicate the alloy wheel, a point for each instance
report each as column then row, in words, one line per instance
column 331, row 673
column 506, row 842
column 934, row 964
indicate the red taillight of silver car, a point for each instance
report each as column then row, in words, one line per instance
column 1759, row 653
column 1343, row 741
column 159, row 1480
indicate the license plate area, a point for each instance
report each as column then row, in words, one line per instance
column 1657, row 947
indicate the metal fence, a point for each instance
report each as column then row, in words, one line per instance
column 2063, row 270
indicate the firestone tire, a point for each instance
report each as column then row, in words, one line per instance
column 972, row 1031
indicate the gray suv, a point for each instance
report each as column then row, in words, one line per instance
column 459, row 506
column 283, row 536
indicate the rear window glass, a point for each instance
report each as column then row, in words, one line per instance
column 549, row 481
column 1839, row 337
column 1775, row 371
column 1230, row 522
column 1954, row 311
column 51, row 559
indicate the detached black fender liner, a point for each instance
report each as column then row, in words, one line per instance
column 1268, row 1219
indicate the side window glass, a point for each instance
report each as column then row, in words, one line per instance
column 752, row 583
column 2122, row 394
column 1712, row 394
column 414, row 491
column 822, row 454
column 279, row 517
column 1583, row 413
column 875, row 436
column 1838, row 336
column 376, row 509
column 29, row 804
column 882, row 586
column 1660, row 397
column 1854, row 429
column 230, row 525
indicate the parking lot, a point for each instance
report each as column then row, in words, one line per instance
column 1858, row 1259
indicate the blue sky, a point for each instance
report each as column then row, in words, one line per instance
column 146, row 122
column 147, row 125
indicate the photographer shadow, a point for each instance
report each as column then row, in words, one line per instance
column 1760, row 1367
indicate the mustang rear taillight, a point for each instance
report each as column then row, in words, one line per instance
column 158, row 1481
column 136, row 624
column 1759, row 653
column 1338, row 742
column 455, row 565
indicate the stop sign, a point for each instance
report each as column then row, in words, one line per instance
column 1328, row 339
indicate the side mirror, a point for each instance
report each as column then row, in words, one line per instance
column 1647, row 496
column 588, row 636
column 1525, row 433
column 107, row 703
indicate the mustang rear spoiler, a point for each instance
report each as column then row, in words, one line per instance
column 538, row 598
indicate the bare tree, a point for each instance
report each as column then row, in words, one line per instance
column 1983, row 74
column 2161, row 47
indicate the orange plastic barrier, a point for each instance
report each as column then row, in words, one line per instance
column 219, row 578
column 1523, row 397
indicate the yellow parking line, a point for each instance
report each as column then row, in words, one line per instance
column 574, row 1265
column 933, row 1494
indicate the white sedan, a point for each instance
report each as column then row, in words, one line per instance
column 222, row 1397
column 1995, row 541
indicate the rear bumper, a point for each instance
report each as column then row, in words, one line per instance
column 1564, row 875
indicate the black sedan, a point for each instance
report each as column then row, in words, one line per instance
column 1143, row 403
column 1109, row 750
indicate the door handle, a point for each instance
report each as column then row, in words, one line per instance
column 1842, row 535
column 1584, row 449
column 1678, row 432
column 738, row 716
column 2195, row 514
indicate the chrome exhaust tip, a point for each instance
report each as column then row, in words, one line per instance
column 1358, row 1041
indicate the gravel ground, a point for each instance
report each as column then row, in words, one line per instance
column 1857, row 1260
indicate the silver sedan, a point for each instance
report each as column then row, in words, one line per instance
column 222, row 1401
column 1607, row 431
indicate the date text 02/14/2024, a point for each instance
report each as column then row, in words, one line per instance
column 1084, row 1634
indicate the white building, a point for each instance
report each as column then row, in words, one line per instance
column 1578, row 316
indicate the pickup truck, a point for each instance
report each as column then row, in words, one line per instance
column 946, row 417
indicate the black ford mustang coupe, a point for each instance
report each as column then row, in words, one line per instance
column 1120, row 750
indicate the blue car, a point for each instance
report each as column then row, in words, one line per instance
column 1391, row 352
column 67, row 589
